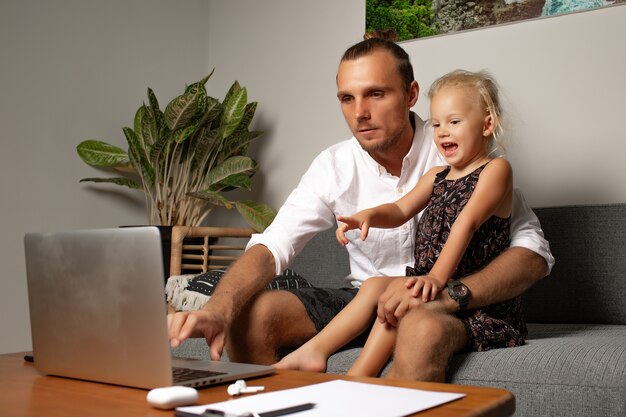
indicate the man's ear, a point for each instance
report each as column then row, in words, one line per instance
column 489, row 125
column 414, row 92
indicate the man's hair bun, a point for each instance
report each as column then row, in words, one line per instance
column 386, row 34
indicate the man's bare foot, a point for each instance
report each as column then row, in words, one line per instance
column 305, row 358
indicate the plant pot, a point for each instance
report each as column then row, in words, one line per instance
column 166, row 249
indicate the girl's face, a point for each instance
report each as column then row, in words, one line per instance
column 462, row 127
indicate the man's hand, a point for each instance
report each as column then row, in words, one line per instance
column 211, row 326
column 396, row 300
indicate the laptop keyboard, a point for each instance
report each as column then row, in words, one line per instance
column 186, row 374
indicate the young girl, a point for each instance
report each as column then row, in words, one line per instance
column 467, row 207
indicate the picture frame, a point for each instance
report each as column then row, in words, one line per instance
column 412, row 19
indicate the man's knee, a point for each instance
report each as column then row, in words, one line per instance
column 437, row 329
column 426, row 341
column 271, row 311
column 272, row 320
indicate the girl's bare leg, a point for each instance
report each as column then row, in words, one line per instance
column 376, row 352
column 348, row 324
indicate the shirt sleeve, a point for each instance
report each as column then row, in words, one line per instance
column 526, row 230
column 305, row 213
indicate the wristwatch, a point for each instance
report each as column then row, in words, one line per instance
column 460, row 293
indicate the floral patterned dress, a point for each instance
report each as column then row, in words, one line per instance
column 496, row 326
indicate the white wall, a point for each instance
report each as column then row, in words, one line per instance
column 286, row 53
column 75, row 69
column 563, row 78
column 72, row 70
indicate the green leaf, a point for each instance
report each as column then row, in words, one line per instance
column 145, row 127
column 203, row 146
column 127, row 182
column 237, row 144
column 212, row 197
column 180, row 111
column 184, row 133
column 248, row 114
column 138, row 121
column 232, row 166
column 212, row 110
column 199, row 84
column 232, row 182
column 101, row 154
column 156, row 111
column 234, row 88
column 198, row 89
column 139, row 155
column 234, row 109
column 257, row 215
column 158, row 148
column 149, row 128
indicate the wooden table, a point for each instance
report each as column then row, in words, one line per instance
column 24, row 392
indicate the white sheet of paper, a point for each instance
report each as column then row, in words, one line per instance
column 337, row 398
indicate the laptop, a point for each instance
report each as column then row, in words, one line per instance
column 98, row 311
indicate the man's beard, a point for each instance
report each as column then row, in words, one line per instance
column 381, row 146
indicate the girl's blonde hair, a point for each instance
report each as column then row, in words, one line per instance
column 486, row 87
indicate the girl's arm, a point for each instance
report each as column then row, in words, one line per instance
column 492, row 196
column 391, row 214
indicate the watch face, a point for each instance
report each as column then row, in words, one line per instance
column 461, row 290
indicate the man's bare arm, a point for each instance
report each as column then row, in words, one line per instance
column 247, row 277
column 510, row 274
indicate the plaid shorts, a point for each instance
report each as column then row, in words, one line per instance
column 322, row 304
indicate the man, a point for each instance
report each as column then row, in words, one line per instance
column 389, row 152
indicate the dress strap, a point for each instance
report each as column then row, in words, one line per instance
column 443, row 174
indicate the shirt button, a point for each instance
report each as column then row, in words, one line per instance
column 400, row 190
column 405, row 227
column 405, row 259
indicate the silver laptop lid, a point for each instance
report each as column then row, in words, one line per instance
column 97, row 305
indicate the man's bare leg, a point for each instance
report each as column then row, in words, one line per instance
column 425, row 343
column 376, row 352
column 345, row 326
column 273, row 319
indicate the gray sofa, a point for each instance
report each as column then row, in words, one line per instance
column 574, row 361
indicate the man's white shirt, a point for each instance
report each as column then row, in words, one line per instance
column 344, row 179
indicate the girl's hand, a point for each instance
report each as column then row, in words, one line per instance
column 428, row 286
column 357, row 221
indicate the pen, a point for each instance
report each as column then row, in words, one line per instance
column 272, row 413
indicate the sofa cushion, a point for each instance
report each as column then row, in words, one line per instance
column 563, row 370
column 588, row 281
column 323, row 261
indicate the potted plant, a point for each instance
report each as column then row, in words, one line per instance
column 185, row 157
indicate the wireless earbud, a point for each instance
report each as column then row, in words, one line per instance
column 240, row 387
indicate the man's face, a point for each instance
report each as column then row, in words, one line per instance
column 374, row 101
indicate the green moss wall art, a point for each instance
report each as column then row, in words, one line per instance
column 413, row 19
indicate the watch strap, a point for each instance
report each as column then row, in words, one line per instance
column 462, row 301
